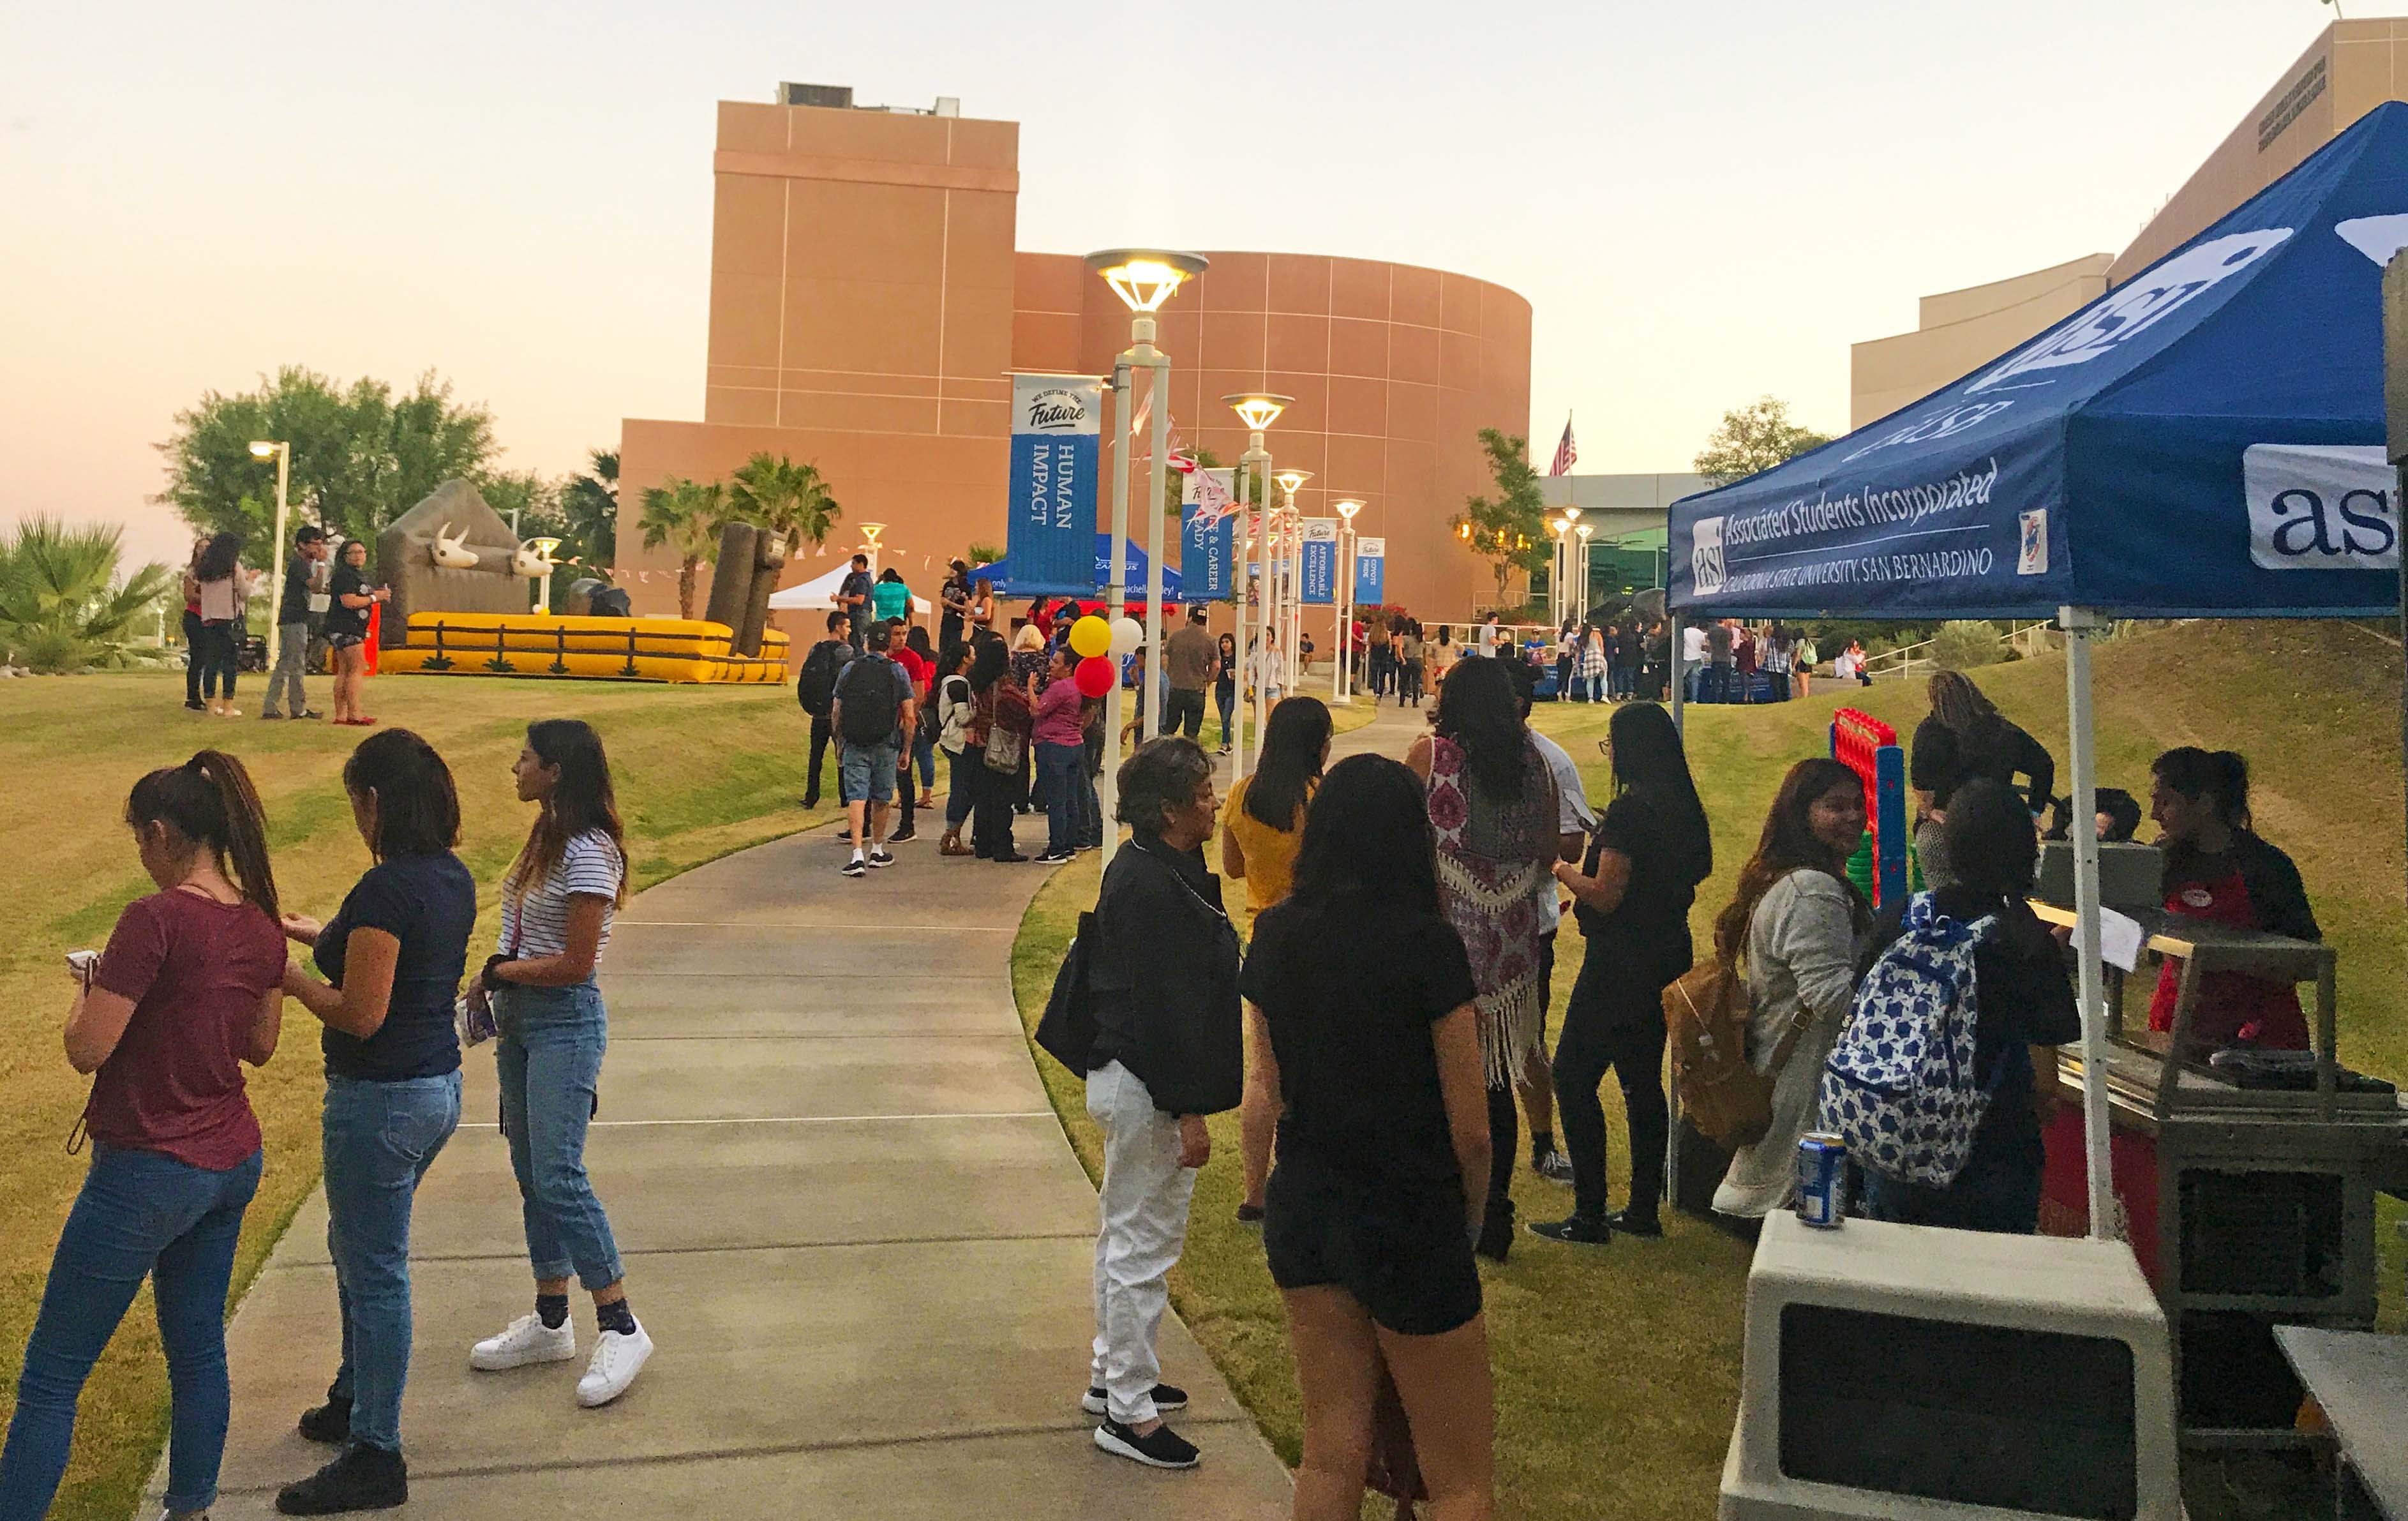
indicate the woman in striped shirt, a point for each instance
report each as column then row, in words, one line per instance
column 556, row 907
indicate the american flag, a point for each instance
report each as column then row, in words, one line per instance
column 1567, row 453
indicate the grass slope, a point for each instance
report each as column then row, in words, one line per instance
column 1617, row 1373
column 701, row 771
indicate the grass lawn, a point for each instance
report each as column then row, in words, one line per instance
column 1617, row 1373
column 701, row 771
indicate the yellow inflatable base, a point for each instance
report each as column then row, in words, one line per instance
column 594, row 649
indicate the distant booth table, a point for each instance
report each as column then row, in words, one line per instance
column 678, row 650
column 2201, row 441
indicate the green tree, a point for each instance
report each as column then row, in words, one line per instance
column 978, row 555
column 1754, row 438
column 785, row 497
column 361, row 455
column 590, row 504
column 685, row 516
column 1509, row 530
column 62, row 604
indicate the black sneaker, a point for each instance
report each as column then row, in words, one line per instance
column 1250, row 1214
column 329, row 1423
column 1166, row 1398
column 878, row 856
column 856, row 867
column 363, row 1479
column 1162, row 1449
column 198, row 706
column 1576, row 1229
column 308, row 712
column 905, row 837
column 1054, row 857
column 1553, row 1166
column 271, row 715
column 1635, row 1225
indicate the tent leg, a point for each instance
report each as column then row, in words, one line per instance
column 1115, row 604
column 2079, row 624
column 1679, row 680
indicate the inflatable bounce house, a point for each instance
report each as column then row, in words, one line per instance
column 463, row 606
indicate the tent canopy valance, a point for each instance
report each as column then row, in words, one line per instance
column 1134, row 567
column 2204, row 441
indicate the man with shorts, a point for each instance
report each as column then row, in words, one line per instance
column 873, row 714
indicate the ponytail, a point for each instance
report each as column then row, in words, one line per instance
column 209, row 800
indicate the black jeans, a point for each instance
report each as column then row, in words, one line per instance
column 1183, row 711
column 192, row 658
column 821, row 737
column 994, row 794
column 217, row 658
column 1598, row 1038
column 1504, row 1138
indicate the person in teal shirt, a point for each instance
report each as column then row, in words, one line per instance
column 890, row 600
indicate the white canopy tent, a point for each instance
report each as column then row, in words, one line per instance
column 819, row 594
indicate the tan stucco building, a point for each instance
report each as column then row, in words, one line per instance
column 2351, row 68
column 869, row 298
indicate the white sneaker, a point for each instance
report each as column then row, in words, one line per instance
column 528, row 1340
column 617, row 1359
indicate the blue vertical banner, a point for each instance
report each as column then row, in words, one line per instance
column 1370, row 572
column 1056, row 437
column 1320, row 560
column 1208, row 541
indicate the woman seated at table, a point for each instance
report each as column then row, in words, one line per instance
column 2218, row 869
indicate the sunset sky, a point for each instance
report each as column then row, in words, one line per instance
column 1703, row 202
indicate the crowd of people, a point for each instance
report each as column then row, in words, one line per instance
column 323, row 616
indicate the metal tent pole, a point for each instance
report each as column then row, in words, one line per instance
column 2079, row 624
column 1680, row 681
column 1158, row 473
column 1115, row 598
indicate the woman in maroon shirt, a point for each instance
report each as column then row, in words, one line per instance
column 189, row 988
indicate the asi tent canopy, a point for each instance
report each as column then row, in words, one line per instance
column 2203, row 440
column 999, row 575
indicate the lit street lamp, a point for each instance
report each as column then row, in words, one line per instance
column 1580, row 571
column 1555, row 577
column 282, row 454
column 1291, row 585
column 1342, row 686
column 1257, row 410
column 1143, row 278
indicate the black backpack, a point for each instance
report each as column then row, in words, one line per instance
column 816, row 687
column 872, row 703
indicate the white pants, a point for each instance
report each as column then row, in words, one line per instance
column 1144, row 1205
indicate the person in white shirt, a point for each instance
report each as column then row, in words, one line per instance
column 1693, row 657
column 1573, row 821
column 1488, row 637
column 1268, row 671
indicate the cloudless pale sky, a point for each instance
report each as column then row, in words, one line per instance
column 1704, row 202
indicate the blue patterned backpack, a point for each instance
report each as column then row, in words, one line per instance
column 1900, row 1087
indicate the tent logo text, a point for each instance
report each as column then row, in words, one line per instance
column 2321, row 507
column 1706, row 556
column 2123, row 314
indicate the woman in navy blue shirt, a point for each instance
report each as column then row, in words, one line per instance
column 392, row 958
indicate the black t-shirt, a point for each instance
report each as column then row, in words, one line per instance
column 293, row 605
column 429, row 904
column 340, row 618
column 1644, row 943
column 1350, row 1008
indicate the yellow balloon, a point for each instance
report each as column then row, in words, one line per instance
column 1091, row 636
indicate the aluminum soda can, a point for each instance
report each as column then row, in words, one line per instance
column 1821, row 1180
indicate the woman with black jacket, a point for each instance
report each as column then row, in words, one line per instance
column 1168, row 1051
column 1966, row 738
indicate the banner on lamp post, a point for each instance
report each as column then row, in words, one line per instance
column 1320, row 567
column 1208, row 542
column 1057, row 424
column 1370, row 572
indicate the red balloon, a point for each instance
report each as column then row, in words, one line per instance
column 1095, row 676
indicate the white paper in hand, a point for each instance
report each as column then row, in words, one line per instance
column 2119, row 938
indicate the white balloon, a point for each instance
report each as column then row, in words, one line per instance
column 1128, row 634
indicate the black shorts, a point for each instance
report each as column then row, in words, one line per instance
column 1402, row 1250
column 346, row 641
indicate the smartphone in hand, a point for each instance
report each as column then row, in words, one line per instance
column 82, row 966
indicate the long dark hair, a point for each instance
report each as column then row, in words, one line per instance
column 1478, row 710
column 1648, row 761
column 1787, row 844
column 580, row 802
column 418, row 809
column 949, row 659
column 218, row 561
column 1367, row 843
column 209, row 800
column 1291, row 760
column 2223, row 773
column 918, row 642
column 991, row 663
column 1960, row 706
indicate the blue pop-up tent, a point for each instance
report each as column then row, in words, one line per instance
column 1134, row 564
column 2204, row 441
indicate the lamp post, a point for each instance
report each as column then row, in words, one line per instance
column 869, row 532
column 1257, row 410
column 1143, row 278
column 1555, row 601
column 1291, row 585
column 544, row 548
column 1342, row 686
column 1580, row 572
column 282, row 454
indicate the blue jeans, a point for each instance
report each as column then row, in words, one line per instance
column 140, row 1212
column 1072, row 812
column 381, row 1137
column 866, row 773
column 924, row 750
column 550, row 1058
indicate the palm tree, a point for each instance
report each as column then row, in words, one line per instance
column 62, row 605
column 685, row 515
column 784, row 497
column 590, row 503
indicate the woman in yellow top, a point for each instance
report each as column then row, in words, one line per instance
column 1262, row 825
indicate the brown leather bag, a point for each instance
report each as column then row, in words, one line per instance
column 1706, row 1016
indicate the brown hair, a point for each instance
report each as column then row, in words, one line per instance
column 1787, row 844
column 580, row 801
column 209, row 800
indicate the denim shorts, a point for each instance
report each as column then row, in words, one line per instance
column 868, row 771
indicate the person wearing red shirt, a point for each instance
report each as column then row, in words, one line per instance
column 190, row 989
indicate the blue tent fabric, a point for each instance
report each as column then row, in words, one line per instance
column 2203, row 440
column 999, row 575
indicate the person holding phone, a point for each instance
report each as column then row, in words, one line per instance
column 190, row 990
column 349, row 596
